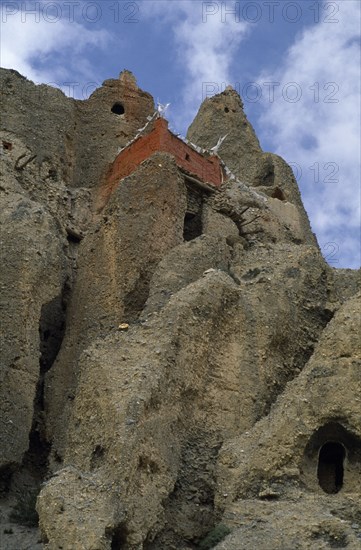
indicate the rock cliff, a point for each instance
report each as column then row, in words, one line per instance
column 179, row 365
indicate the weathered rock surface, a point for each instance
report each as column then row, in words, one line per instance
column 77, row 140
column 223, row 115
column 142, row 221
column 31, row 247
column 176, row 358
column 279, row 459
column 309, row 522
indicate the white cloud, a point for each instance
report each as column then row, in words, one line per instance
column 206, row 46
column 321, row 131
column 45, row 51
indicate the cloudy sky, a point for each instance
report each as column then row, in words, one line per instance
column 295, row 63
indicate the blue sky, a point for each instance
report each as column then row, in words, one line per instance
column 295, row 63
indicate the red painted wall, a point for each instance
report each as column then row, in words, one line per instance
column 206, row 169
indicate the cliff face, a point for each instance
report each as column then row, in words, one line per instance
column 179, row 358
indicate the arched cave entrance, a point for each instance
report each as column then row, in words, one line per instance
column 332, row 459
column 118, row 108
column 330, row 468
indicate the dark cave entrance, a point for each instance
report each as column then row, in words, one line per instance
column 330, row 467
column 118, row 108
column 278, row 194
column 51, row 334
column 118, row 536
column 23, row 481
column 192, row 227
column 332, row 459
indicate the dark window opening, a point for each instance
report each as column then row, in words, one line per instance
column 187, row 156
column 118, row 109
column 330, row 467
column 192, row 226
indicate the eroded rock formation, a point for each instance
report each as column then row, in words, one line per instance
column 179, row 357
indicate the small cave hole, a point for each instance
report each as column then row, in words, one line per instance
column 226, row 110
column 330, row 467
column 7, row 146
column 192, row 226
column 278, row 194
column 118, row 108
column 251, row 274
column 53, row 174
column 57, row 458
column 74, row 236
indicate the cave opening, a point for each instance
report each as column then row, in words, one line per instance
column 278, row 194
column 51, row 335
column 7, row 146
column 332, row 459
column 118, row 108
column 24, row 481
column 118, row 537
column 192, row 227
column 331, row 467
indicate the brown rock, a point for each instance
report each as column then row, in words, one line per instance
column 308, row 446
column 232, row 394
column 222, row 115
column 31, row 246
